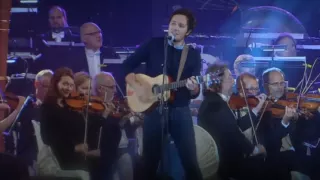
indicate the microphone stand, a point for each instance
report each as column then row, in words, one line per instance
column 163, row 111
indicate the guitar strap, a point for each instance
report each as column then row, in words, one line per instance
column 183, row 59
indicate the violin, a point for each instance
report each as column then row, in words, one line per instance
column 277, row 108
column 79, row 102
column 120, row 108
column 10, row 99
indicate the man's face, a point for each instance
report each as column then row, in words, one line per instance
column 276, row 85
column 56, row 19
column 107, row 89
column 291, row 48
column 227, row 82
column 179, row 27
column 251, row 86
column 92, row 36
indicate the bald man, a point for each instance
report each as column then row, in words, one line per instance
column 91, row 36
column 104, row 86
column 59, row 28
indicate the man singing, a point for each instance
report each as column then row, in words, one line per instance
column 180, row 125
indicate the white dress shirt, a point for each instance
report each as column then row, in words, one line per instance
column 58, row 36
column 93, row 60
column 124, row 140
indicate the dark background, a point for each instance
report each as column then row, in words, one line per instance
column 130, row 22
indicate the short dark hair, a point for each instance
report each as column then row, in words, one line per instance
column 266, row 73
column 282, row 36
column 217, row 67
column 243, row 75
column 63, row 11
column 191, row 20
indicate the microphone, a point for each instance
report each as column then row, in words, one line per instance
column 170, row 37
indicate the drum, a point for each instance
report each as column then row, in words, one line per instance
column 207, row 152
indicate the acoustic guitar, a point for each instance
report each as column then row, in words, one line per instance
column 137, row 105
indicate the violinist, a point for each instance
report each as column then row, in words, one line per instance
column 279, row 131
column 7, row 121
column 62, row 128
column 11, row 167
column 248, row 86
column 105, row 87
column 27, row 144
column 238, row 67
column 216, row 117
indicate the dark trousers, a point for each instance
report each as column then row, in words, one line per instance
column 12, row 168
column 180, row 126
column 285, row 162
column 111, row 135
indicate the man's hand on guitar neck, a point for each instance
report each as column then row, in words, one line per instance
column 192, row 85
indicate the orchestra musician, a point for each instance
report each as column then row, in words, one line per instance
column 247, row 85
column 290, row 42
column 216, row 117
column 109, row 147
column 59, row 28
column 104, row 86
column 244, row 58
column 27, row 144
column 11, row 166
column 278, row 132
column 63, row 129
column 182, row 23
column 91, row 57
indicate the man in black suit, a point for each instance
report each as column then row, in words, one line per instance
column 284, row 135
column 59, row 28
column 94, row 52
column 235, row 150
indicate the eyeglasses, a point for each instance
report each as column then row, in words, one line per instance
column 109, row 87
column 253, row 89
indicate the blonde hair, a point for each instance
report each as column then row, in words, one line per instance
column 42, row 73
column 80, row 78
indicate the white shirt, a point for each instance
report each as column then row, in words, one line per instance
column 58, row 36
column 124, row 139
column 93, row 60
column 224, row 97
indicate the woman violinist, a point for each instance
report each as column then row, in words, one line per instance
column 63, row 129
column 103, row 130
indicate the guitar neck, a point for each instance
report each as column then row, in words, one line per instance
column 179, row 84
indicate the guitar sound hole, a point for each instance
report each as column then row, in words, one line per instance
column 155, row 89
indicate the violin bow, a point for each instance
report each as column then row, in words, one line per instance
column 86, row 116
column 247, row 104
column 306, row 88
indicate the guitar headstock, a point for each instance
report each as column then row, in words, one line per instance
column 213, row 78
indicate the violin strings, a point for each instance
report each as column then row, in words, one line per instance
column 245, row 98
